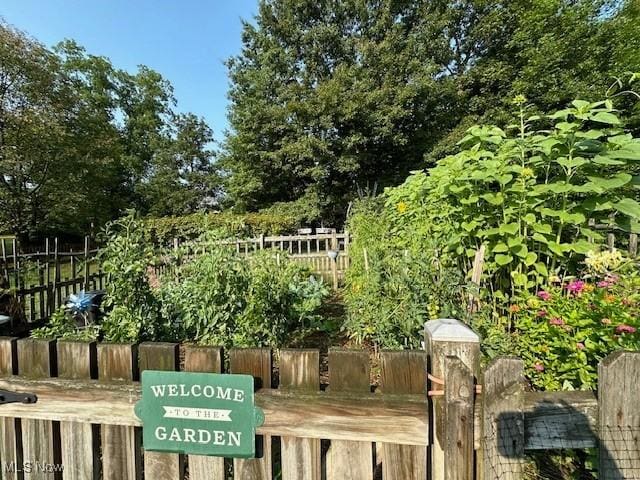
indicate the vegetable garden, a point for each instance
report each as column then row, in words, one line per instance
column 509, row 234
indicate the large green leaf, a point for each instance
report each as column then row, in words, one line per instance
column 502, row 259
column 510, row 228
column 617, row 181
column 606, row 117
column 628, row 206
column 556, row 248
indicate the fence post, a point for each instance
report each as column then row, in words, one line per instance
column 459, row 396
column 619, row 415
column 502, row 423
column 448, row 338
column 86, row 263
column 633, row 244
column 334, row 261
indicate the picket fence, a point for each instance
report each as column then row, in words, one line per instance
column 435, row 414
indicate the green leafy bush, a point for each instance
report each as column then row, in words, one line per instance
column 163, row 230
column 220, row 298
column 63, row 327
column 132, row 310
column 564, row 331
column 394, row 285
column 526, row 196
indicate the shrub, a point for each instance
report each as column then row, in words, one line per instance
column 132, row 310
column 220, row 298
column 394, row 285
column 564, row 330
column 61, row 326
column 527, row 196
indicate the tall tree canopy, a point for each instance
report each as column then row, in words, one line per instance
column 81, row 140
column 331, row 96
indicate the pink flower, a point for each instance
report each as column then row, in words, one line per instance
column 539, row 367
column 556, row 321
column 546, row 296
column 575, row 287
column 542, row 313
column 612, row 278
column 580, row 346
column 603, row 284
column 622, row 328
column 606, row 321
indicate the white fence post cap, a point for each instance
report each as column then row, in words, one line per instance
column 450, row 330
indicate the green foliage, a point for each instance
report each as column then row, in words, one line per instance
column 564, row 332
column 63, row 327
column 184, row 177
column 329, row 97
column 132, row 310
column 220, row 298
column 394, row 285
column 527, row 196
column 81, row 140
column 188, row 227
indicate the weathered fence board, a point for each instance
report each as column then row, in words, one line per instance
column 160, row 356
column 79, row 441
column 619, row 425
column 208, row 360
column 40, row 438
column 300, row 371
column 404, row 373
column 255, row 362
column 9, row 449
column 121, row 446
column 349, row 372
column 503, row 419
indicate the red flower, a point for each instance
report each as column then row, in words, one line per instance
column 539, row 367
column 580, row 346
column 556, row 321
column 542, row 313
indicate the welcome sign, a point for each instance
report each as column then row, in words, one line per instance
column 199, row 413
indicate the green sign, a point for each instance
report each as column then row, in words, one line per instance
column 199, row 413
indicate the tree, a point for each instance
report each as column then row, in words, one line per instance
column 34, row 105
column 81, row 141
column 183, row 177
column 330, row 96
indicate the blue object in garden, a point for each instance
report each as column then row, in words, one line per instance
column 85, row 307
column 80, row 303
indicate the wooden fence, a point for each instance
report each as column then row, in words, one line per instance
column 313, row 250
column 434, row 414
column 41, row 280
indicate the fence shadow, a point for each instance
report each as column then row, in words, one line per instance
column 560, row 426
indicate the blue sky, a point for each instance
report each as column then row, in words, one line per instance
column 185, row 40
